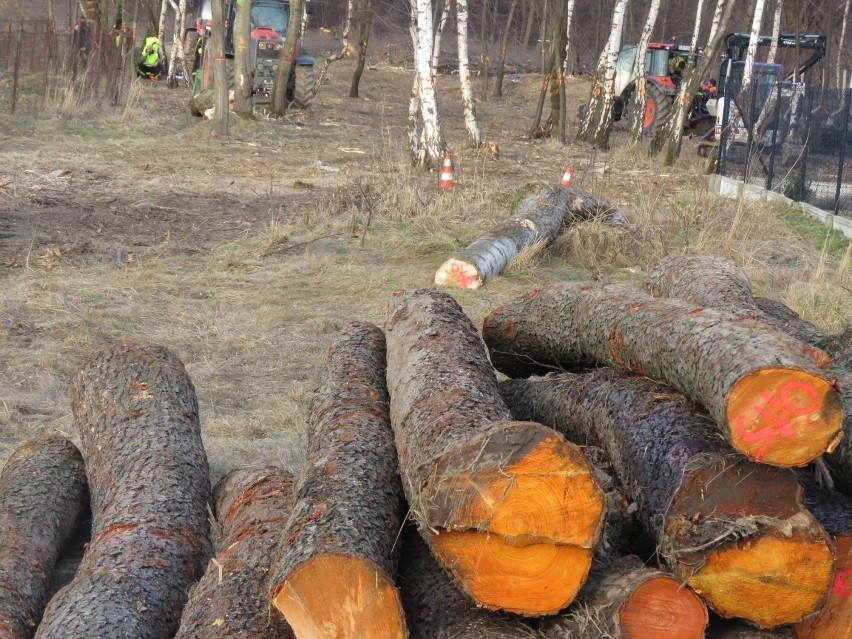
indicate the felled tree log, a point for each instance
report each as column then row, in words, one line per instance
column 766, row 391
column 42, row 496
column 137, row 416
column 538, row 219
column 738, row 630
column 436, row 609
column 834, row 511
column 625, row 600
column 512, row 509
column 718, row 282
column 840, row 350
column 232, row 599
column 734, row 531
column 336, row 574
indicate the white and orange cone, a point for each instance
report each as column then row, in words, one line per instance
column 448, row 178
column 567, row 175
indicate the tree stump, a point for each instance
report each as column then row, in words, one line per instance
column 335, row 577
column 137, row 416
column 767, row 392
column 232, row 599
column 734, row 531
column 42, row 497
column 512, row 509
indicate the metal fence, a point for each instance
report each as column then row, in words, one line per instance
column 791, row 139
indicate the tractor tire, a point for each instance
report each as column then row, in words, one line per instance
column 303, row 88
column 657, row 108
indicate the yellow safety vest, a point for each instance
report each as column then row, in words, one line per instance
column 151, row 52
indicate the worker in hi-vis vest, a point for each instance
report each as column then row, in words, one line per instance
column 152, row 61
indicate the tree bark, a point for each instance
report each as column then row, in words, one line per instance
column 538, row 220
column 640, row 93
column 563, row 95
column 776, row 31
column 474, row 138
column 439, row 32
column 231, row 600
column 432, row 149
column 511, row 509
column 739, row 630
column 504, row 51
column 285, row 60
column 242, row 57
column 840, row 50
column 42, row 497
column 718, row 282
column 736, row 532
column 137, row 417
column 220, row 72
column 435, row 608
column 766, row 392
column 337, row 564
column 757, row 20
column 366, row 24
column 624, row 600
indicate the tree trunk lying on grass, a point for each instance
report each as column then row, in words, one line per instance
column 539, row 218
column 336, row 572
column 436, row 609
column 625, row 600
column 42, row 496
column 137, row 416
column 232, row 599
column 734, row 531
column 512, row 509
column 717, row 282
column 766, row 391
column 834, row 512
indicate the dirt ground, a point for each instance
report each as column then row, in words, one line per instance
column 247, row 255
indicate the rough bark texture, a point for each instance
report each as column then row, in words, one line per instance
column 538, row 220
column 436, row 609
column 137, row 416
column 766, row 391
column 511, row 508
column 42, row 496
column 232, row 599
column 735, row 531
column 624, row 600
column 348, row 505
column 840, row 349
column 738, row 630
column 717, row 282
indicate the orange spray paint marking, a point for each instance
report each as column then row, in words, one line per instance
column 457, row 272
column 843, row 583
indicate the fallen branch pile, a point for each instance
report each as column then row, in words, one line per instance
column 531, row 500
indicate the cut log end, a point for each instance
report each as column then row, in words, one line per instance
column 535, row 579
column 835, row 618
column 338, row 597
column 770, row 581
column 456, row 272
column 663, row 607
column 784, row 417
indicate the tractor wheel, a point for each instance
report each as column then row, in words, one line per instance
column 303, row 89
column 657, row 108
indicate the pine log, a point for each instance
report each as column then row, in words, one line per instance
column 232, row 599
column 624, row 600
column 436, row 609
column 137, row 416
column 718, row 282
column 538, row 220
column 766, row 392
column 42, row 496
column 336, row 574
column 733, row 530
column 834, row 511
column 512, row 509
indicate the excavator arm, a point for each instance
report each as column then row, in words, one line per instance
column 736, row 45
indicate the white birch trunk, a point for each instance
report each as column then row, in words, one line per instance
column 436, row 46
column 176, row 53
column 776, row 31
column 752, row 43
column 474, row 137
column 841, row 44
column 431, row 154
column 161, row 25
column 640, row 94
column 563, row 95
column 414, row 102
column 304, row 26
column 569, row 16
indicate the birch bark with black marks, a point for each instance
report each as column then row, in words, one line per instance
column 840, row 51
column 474, row 137
column 776, row 30
column 432, row 139
column 754, row 34
column 439, row 32
column 640, row 92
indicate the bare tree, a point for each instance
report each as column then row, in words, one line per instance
column 242, row 55
column 640, row 94
column 756, row 22
column 840, row 44
column 161, row 23
column 220, row 74
column 563, row 92
column 365, row 24
column 436, row 45
column 474, row 138
column 597, row 123
column 285, row 59
column 431, row 151
column 504, row 49
column 176, row 58
column 344, row 47
column 776, row 31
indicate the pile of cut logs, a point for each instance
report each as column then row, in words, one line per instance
column 646, row 478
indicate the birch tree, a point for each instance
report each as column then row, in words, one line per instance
column 776, row 31
column 220, row 74
column 563, row 89
column 176, row 58
column 431, row 152
column 344, row 47
column 242, row 55
column 436, row 45
column 843, row 24
column 640, row 93
column 474, row 138
column 757, row 20
column 504, row 50
column 597, row 123
column 365, row 24
column 161, row 23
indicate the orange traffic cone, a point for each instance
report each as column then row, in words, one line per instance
column 567, row 175
column 448, row 179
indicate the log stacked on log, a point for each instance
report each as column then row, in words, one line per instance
column 735, row 531
column 766, row 392
column 737, row 630
column 624, row 600
column 231, row 600
column 539, row 218
column 336, row 574
column 512, row 509
column 42, row 497
column 137, row 416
